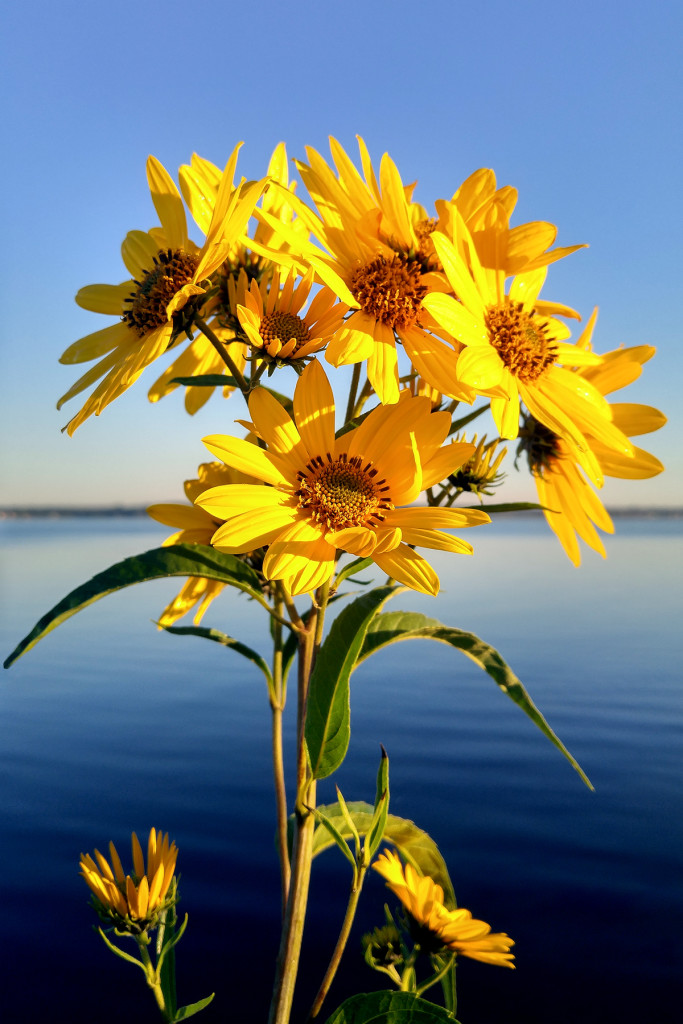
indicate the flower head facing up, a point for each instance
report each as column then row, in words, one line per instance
column 329, row 494
column 132, row 903
column 436, row 927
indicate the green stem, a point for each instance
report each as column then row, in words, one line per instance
column 277, row 706
column 350, row 405
column 225, row 355
column 436, row 977
column 302, row 854
column 153, row 980
column 354, row 896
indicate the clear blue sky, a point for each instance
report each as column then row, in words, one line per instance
column 577, row 105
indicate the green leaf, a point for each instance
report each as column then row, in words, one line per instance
column 328, row 714
column 457, row 425
column 337, row 837
column 207, row 380
column 357, row 565
column 389, row 1008
column 415, row 845
column 379, row 818
column 226, row 641
column 513, row 506
column 393, row 626
column 189, row 1011
column 175, row 560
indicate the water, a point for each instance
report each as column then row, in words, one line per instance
column 109, row 725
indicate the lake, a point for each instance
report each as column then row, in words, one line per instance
column 110, row 725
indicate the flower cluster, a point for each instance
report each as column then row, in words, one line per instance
column 438, row 308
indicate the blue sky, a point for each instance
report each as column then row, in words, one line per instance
column 578, row 106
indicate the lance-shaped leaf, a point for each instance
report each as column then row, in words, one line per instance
column 328, row 714
column 381, row 810
column 175, row 560
column 394, row 626
column 357, row 565
column 414, row 844
column 207, row 380
column 185, row 1012
column 226, row 641
column 389, row 1008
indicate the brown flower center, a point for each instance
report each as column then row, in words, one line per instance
column 521, row 340
column 426, row 253
column 540, row 445
column 283, row 327
column 172, row 269
column 390, row 290
column 342, row 492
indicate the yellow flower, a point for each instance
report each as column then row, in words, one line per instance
column 196, row 527
column 370, row 258
column 513, row 352
column 343, row 493
column 270, row 317
column 486, row 211
column 199, row 183
column 571, row 507
column 438, row 927
column 132, row 902
column 156, row 306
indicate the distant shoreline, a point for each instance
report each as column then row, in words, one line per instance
column 125, row 512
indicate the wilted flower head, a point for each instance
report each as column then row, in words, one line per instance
column 132, row 903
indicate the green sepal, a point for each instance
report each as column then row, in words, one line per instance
column 338, row 838
column 379, row 818
column 389, row 1008
column 328, row 713
column 391, row 627
column 226, row 641
column 357, row 565
column 174, row 560
column 414, row 844
column 189, row 1011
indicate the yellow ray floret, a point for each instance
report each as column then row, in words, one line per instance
column 136, row 898
column 332, row 494
column 168, row 277
column 455, row 930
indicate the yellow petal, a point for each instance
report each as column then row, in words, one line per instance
column 314, row 410
column 168, row 204
column 229, row 500
column 252, row 529
column 247, row 457
column 105, row 298
column 138, row 250
column 409, row 568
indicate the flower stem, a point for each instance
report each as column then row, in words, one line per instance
column 153, row 980
column 354, row 896
column 242, row 384
column 353, row 390
column 277, row 706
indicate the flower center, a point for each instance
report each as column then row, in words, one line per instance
column 283, row 327
column 521, row 340
column 390, row 290
column 172, row 269
column 540, row 444
column 426, row 253
column 342, row 492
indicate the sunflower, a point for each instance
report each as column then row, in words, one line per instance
column 437, row 928
column 329, row 494
column 270, row 317
column 199, row 183
column 196, row 526
column 132, row 902
column 369, row 255
column 512, row 352
column 157, row 305
column 571, row 506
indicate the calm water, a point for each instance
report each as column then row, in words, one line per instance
column 109, row 725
